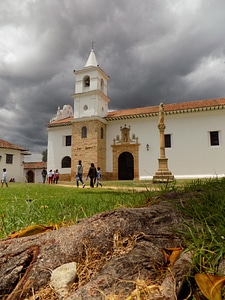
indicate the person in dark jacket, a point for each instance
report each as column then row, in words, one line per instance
column 79, row 174
column 44, row 175
column 92, row 174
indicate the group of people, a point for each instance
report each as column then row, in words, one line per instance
column 53, row 176
column 93, row 173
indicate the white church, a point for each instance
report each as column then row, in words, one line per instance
column 125, row 144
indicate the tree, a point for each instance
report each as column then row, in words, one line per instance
column 44, row 155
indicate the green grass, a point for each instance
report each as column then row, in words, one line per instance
column 205, row 232
column 25, row 204
column 202, row 201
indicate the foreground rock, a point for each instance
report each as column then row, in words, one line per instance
column 126, row 245
column 62, row 278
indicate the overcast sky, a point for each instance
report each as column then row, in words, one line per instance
column 153, row 50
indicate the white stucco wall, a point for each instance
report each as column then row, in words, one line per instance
column 145, row 129
column 37, row 175
column 190, row 155
column 57, row 149
column 14, row 170
column 91, row 104
column 96, row 75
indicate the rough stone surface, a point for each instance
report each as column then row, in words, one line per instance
column 62, row 278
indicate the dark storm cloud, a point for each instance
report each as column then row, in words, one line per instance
column 153, row 51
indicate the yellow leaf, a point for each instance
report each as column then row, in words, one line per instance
column 171, row 254
column 31, row 230
column 210, row 285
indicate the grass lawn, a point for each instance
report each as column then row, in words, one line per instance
column 24, row 204
column 203, row 201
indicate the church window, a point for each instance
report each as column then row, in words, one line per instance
column 102, row 85
column 68, row 140
column 86, row 81
column 84, row 132
column 9, row 159
column 214, row 138
column 167, row 138
column 102, row 133
column 66, row 162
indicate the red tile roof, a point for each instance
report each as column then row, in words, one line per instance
column 63, row 122
column 181, row 107
column 8, row 145
column 35, row 165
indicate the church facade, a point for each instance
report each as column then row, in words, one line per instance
column 125, row 144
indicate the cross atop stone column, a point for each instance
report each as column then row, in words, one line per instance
column 163, row 174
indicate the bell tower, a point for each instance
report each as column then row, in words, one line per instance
column 90, row 110
column 90, row 98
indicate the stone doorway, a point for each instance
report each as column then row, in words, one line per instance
column 30, row 176
column 126, row 166
column 125, row 150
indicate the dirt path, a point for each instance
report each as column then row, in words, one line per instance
column 138, row 189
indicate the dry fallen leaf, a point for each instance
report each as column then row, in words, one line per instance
column 210, row 285
column 171, row 255
column 31, row 230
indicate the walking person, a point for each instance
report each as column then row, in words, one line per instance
column 44, row 175
column 98, row 177
column 92, row 174
column 53, row 177
column 79, row 174
column 50, row 176
column 4, row 178
column 56, row 176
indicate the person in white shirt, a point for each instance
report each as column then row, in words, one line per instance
column 4, row 178
column 50, row 176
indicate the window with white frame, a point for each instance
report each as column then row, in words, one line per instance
column 167, row 138
column 214, row 138
column 9, row 159
column 66, row 162
column 68, row 140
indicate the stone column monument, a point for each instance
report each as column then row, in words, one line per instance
column 163, row 174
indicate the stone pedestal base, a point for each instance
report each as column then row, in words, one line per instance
column 163, row 174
